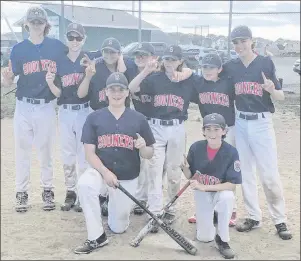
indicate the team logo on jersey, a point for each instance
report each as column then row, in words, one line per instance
column 237, row 166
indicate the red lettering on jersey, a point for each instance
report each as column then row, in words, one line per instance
column 253, row 88
column 72, row 79
column 115, row 141
column 100, row 142
column 169, row 100
column 102, row 96
column 214, row 98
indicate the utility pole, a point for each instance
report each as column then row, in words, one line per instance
column 229, row 29
column 62, row 22
column 139, row 23
column 133, row 8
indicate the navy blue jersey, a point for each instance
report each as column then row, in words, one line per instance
column 70, row 75
column 114, row 140
column 31, row 63
column 225, row 167
column 216, row 97
column 97, row 85
column 142, row 103
column 170, row 100
column 250, row 96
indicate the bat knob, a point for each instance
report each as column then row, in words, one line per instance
column 134, row 244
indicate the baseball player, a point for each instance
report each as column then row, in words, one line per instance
column 73, row 111
column 34, row 118
column 217, row 164
column 146, row 63
column 256, row 86
column 94, row 83
column 114, row 138
column 216, row 95
column 170, row 101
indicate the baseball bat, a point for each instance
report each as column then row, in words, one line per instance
column 147, row 228
column 168, row 230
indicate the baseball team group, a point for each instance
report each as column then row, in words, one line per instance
column 121, row 123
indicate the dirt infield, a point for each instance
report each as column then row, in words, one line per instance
column 53, row 235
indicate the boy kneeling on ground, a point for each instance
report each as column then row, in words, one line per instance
column 218, row 166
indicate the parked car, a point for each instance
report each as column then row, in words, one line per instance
column 191, row 56
column 296, row 66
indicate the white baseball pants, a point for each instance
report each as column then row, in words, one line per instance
column 34, row 124
column 71, row 123
column 90, row 185
column 230, row 138
column 206, row 203
column 256, row 145
column 169, row 146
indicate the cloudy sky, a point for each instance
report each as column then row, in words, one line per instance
column 266, row 26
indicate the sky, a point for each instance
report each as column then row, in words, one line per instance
column 270, row 27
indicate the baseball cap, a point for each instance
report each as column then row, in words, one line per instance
column 36, row 13
column 212, row 60
column 77, row 28
column 117, row 79
column 214, row 119
column 145, row 48
column 173, row 51
column 241, row 32
column 112, row 44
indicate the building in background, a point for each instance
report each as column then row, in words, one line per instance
column 100, row 24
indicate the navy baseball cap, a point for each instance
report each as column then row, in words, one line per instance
column 214, row 119
column 117, row 79
column 241, row 32
column 111, row 44
column 212, row 60
column 144, row 48
column 36, row 13
column 77, row 28
column 174, row 52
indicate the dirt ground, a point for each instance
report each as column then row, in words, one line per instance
column 53, row 235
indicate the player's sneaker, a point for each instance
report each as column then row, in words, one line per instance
column 283, row 232
column 139, row 210
column 232, row 222
column 192, row 219
column 223, row 248
column 91, row 245
column 69, row 201
column 247, row 225
column 156, row 226
column 77, row 207
column 169, row 218
column 48, row 199
column 104, row 208
column 21, row 202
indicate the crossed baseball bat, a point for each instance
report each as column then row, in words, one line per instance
column 181, row 240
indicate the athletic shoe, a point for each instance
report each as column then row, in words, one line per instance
column 138, row 210
column 48, row 199
column 169, row 218
column 156, row 226
column 223, row 248
column 21, row 202
column 283, row 232
column 104, row 208
column 192, row 219
column 77, row 207
column 247, row 225
column 232, row 222
column 91, row 245
column 69, row 201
